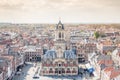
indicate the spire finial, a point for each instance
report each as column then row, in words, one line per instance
column 59, row 19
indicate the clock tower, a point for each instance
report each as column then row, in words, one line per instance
column 60, row 42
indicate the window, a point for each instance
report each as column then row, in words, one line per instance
column 51, row 71
column 74, row 63
column 60, row 35
column 68, row 70
column 60, row 27
column 59, row 64
column 56, row 70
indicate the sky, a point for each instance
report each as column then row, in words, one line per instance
column 69, row 11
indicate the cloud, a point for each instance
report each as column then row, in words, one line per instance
column 11, row 4
column 59, row 8
column 57, row 4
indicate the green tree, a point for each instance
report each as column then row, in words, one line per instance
column 96, row 35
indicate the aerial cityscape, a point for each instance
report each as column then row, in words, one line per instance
column 59, row 51
column 59, row 39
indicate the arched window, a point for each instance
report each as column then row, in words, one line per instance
column 56, row 70
column 68, row 70
column 59, row 65
column 59, row 34
column 51, row 70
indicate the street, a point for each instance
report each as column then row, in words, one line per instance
column 27, row 73
column 30, row 69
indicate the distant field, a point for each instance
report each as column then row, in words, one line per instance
column 94, row 26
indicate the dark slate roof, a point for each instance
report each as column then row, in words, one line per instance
column 102, row 66
column 3, row 62
column 104, row 57
column 68, row 54
column 57, row 27
column 50, row 54
column 109, row 47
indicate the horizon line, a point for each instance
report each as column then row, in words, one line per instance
column 62, row 22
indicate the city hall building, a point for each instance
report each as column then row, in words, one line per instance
column 59, row 61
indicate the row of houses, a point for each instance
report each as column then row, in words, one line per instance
column 107, row 66
column 10, row 57
column 9, row 65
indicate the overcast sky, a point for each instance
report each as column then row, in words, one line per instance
column 70, row 11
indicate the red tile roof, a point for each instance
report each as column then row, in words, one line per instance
column 115, row 73
column 106, row 62
column 107, row 69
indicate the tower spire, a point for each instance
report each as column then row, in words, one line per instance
column 59, row 19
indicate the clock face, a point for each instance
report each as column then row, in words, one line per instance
column 60, row 26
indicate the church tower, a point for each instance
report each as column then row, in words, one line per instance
column 59, row 35
column 60, row 42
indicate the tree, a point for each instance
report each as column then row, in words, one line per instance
column 96, row 35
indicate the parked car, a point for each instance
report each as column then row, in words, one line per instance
column 18, row 73
column 35, row 77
